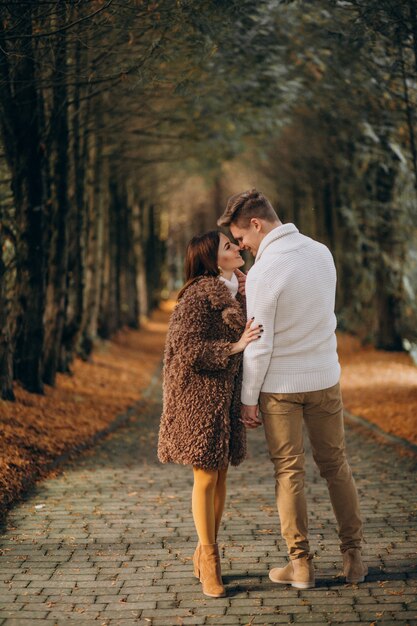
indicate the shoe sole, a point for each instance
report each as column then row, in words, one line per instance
column 209, row 595
column 293, row 583
column 355, row 582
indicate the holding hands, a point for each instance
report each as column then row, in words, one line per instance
column 249, row 415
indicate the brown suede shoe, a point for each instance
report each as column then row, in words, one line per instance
column 196, row 561
column 210, row 572
column 299, row 573
column 353, row 567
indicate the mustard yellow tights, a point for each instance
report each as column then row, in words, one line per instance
column 209, row 496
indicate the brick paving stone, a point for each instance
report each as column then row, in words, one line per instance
column 308, row 618
column 23, row 622
column 26, row 614
column 114, row 541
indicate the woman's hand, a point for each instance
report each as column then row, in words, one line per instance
column 249, row 334
column 242, row 280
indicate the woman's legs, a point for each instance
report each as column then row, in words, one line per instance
column 204, row 490
column 219, row 498
column 209, row 496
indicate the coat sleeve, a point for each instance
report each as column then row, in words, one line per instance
column 198, row 348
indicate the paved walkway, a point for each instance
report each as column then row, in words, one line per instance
column 110, row 541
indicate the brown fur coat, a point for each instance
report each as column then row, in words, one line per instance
column 200, row 424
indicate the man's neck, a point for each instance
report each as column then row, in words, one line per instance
column 269, row 226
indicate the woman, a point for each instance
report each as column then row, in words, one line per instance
column 200, row 424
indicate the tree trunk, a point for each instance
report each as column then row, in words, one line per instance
column 6, row 344
column 25, row 154
column 413, row 21
column 409, row 110
column 75, row 305
column 127, row 267
column 60, row 262
column 138, row 245
column 94, row 249
column 109, row 306
column 391, row 263
column 152, row 258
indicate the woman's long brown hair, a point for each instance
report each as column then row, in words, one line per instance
column 201, row 258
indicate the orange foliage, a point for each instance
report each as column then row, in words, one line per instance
column 379, row 386
column 36, row 429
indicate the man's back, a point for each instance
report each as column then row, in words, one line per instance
column 291, row 378
column 291, row 291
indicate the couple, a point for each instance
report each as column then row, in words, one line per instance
column 290, row 376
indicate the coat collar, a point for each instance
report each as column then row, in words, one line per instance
column 276, row 233
column 221, row 299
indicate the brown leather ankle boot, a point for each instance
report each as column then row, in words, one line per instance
column 196, row 561
column 299, row 573
column 210, row 571
column 354, row 568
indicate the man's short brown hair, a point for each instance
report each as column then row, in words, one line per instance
column 242, row 207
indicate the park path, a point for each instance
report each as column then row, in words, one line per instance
column 110, row 540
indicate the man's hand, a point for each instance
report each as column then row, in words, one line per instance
column 249, row 415
column 242, row 280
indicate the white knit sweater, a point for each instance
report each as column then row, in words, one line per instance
column 291, row 291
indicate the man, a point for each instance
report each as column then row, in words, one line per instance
column 293, row 372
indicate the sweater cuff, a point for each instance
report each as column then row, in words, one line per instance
column 250, row 396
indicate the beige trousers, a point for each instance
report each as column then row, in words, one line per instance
column 322, row 413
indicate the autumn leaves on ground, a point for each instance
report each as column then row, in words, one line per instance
column 37, row 429
column 378, row 386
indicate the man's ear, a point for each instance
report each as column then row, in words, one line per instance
column 256, row 223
